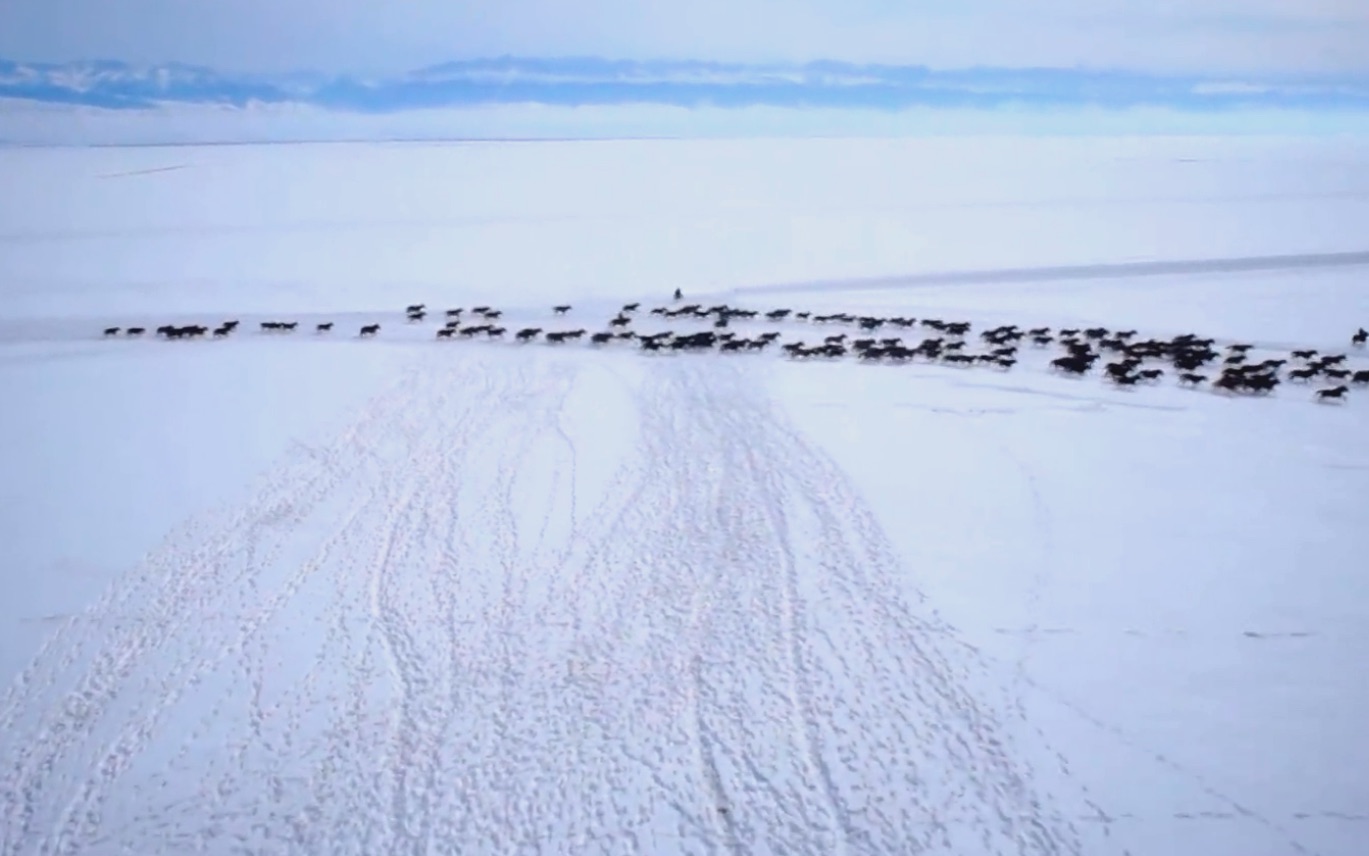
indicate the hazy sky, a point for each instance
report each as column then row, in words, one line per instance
column 1216, row 36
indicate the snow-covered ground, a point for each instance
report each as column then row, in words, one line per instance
column 316, row 593
column 24, row 122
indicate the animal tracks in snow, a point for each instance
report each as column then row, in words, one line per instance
column 1046, row 632
column 527, row 603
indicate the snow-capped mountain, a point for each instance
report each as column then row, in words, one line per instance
column 588, row 80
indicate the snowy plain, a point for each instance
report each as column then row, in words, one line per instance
column 314, row 593
column 36, row 123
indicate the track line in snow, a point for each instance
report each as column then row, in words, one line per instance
column 713, row 396
column 149, row 171
column 1054, row 273
column 169, row 588
column 391, row 649
column 1238, row 808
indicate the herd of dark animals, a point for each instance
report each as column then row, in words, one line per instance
column 1125, row 354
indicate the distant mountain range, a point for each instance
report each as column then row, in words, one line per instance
column 591, row 81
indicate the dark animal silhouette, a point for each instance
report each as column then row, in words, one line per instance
column 1335, row 393
column 324, row 328
column 369, row 330
column 1072, row 364
column 1260, row 383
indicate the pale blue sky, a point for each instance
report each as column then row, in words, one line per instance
column 1208, row 36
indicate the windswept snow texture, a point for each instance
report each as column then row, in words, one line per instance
column 315, row 593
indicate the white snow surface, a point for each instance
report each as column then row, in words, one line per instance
column 25, row 122
column 316, row 593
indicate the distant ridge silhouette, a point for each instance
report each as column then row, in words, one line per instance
column 586, row 81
